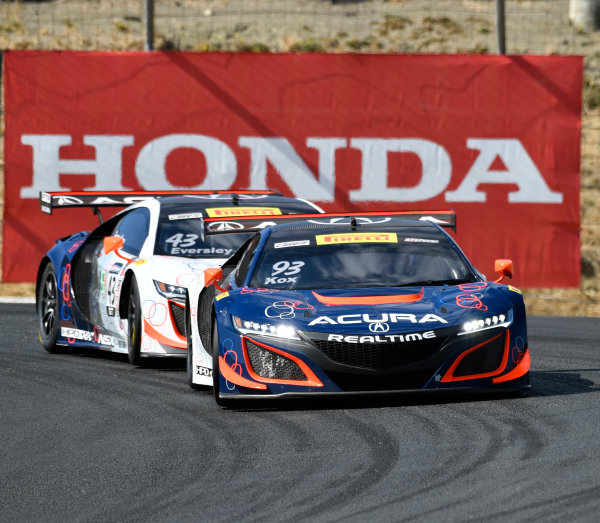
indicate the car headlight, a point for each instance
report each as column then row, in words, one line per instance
column 487, row 322
column 264, row 329
column 171, row 292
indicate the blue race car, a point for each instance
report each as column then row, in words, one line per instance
column 359, row 304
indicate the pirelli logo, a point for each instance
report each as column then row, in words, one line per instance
column 236, row 212
column 357, row 237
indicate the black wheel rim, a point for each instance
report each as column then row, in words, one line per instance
column 49, row 306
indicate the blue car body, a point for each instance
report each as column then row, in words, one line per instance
column 327, row 332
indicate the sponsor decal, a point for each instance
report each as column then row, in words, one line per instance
column 518, row 351
column 221, row 296
column 379, row 326
column 420, row 240
column 180, row 251
column 95, row 336
column 110, row 311
column 357, row 237
column 384, row 338
column 234, row 212
column 75, row 246
column 298, row 243
column 348, row 319
column 224, row 226
column 203, row 371
column 186, row 216
column 359, row 219
column 115, row 268
column 471, row 301
column 286, row 309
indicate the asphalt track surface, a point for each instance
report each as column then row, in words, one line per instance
column 87, row 437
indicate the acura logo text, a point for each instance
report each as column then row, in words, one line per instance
column 385, row 318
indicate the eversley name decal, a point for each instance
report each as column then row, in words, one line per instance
column 222, row 166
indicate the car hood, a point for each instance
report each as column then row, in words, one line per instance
column 357, row 311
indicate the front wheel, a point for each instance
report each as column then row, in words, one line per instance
column 47, row 307
column 134, row 324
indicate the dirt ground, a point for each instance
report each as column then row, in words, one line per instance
column 431, row 26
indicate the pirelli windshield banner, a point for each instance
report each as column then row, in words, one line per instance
column 496, row 138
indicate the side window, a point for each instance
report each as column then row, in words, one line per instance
column 242, row 268
column 133, row 228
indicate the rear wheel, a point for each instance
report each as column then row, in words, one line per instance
column 134, row 324
column 222, row 402
column 190, row 348
column 47, row 307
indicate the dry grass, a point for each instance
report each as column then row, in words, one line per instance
column 533, row 26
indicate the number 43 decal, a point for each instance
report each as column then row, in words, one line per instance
column 182, row 240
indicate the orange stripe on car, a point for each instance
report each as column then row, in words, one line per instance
column 449, row 376
column 521, row 369
column 233, row 377
column 369, row 300
column 179, row 343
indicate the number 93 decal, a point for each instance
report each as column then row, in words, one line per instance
column 284, row 271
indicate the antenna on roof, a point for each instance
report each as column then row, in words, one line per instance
column 353, row 223
column 235, row 199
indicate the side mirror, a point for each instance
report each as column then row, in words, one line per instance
column 504, row 268
column 113, row 243
column 212, row 277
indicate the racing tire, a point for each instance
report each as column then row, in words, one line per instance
column 190, row 348
column 222, row 402
column 134, row 324
column 47, row 308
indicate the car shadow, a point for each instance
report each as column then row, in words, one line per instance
column 561, row 382
column 154, row 363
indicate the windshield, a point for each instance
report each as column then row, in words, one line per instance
column 373, row 259
column 186, row 238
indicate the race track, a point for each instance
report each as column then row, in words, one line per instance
column 87, row 437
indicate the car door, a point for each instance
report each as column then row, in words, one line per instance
column 110, row 267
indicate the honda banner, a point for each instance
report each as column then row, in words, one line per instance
column 496, row 138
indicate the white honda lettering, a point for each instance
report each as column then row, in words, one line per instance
column 292, row 169
column 520, row 171
column 221, row 164
column 48, row 166
column 435, row 174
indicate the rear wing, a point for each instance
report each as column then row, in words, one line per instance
column 96, row 199
column 445, row 219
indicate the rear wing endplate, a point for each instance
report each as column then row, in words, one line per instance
column 445, row 219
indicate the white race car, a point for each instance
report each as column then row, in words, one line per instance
column 122, row 286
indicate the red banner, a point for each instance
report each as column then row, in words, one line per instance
column 496, row 138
